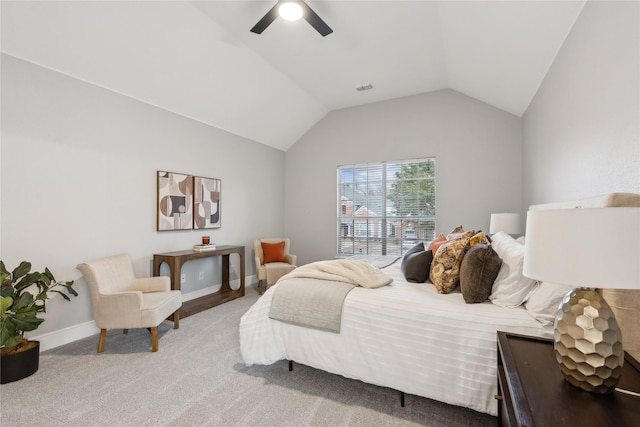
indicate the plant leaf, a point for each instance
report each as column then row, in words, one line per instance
column 5, row 276
column 7, row 331
column 21, row 270
column 7, row 290
column 26, row 281
column 5, row 303
column 49, row 274
column 47, row 278
column 24, row 300
column 25, row 319
column 69, row 285
column 12, row 340
column 61, row 293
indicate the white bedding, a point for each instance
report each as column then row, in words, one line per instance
column 404, row 336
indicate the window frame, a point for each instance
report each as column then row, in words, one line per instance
column 363, row 217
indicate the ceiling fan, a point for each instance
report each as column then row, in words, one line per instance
column 292, row 11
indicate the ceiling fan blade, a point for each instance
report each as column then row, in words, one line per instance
column 314, row 20
column 266, row 20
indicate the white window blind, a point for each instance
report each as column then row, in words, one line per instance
column 385, row 208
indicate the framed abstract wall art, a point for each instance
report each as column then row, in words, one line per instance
column 206, row 202
column 175, row 201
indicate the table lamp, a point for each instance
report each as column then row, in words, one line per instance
column 509, row 223
column 586, row 248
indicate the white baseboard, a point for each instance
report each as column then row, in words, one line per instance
column 235, row 284
column 64, row 336
column 199, row 293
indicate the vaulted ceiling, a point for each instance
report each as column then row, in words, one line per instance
column 199, row 59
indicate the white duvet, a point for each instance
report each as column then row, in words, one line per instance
column 403, row 336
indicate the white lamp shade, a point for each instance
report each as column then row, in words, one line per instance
column 597, row 248
column 509, row 223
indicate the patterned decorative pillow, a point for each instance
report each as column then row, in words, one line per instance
column 479, row 269
column 477, row 238
column 459, row 233
column 445, row 268
column 458, row 230
column 467, row 234
column 456, row 234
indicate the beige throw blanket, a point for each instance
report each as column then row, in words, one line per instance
column 358, row 273
column 316, row 296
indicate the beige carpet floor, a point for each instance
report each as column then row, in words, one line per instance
column 197, row 378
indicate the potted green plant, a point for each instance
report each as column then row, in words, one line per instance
column 23, row 294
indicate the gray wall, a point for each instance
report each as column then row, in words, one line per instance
column 79, row 182
column 478, row 150
column 581, row 130
column 79, row 162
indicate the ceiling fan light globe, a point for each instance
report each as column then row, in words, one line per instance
column 291, row 11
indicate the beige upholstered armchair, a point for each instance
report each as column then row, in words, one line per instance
column 273, row 260
column 122, row 301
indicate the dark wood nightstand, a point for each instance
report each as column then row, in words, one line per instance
column 533, row 392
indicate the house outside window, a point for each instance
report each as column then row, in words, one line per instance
column 387, row 207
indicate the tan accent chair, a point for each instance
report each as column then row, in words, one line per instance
column 122, row 301
column 272, row 271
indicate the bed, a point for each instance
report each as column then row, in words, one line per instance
column 405, row 336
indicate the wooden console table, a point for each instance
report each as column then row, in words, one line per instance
column 175, row 260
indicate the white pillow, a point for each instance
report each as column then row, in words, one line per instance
column 511, row 288
column 545, row 300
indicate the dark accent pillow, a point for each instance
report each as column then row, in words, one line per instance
column 416, row 264
column 479, row 269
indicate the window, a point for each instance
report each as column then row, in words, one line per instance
column 386, row 208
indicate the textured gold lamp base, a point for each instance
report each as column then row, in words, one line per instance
column 588, row 342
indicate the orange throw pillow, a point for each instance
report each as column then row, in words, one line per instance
column 436, row 243
column 273, row 252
